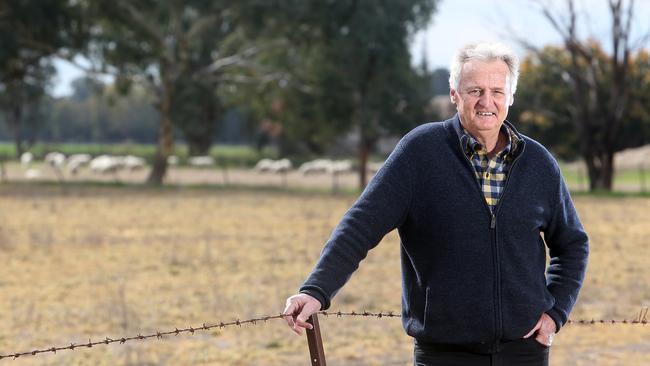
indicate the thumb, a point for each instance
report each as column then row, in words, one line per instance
column 537, row 326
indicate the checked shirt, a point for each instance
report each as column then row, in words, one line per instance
column 491, row 173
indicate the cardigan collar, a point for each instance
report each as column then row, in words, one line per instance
column 517, row 148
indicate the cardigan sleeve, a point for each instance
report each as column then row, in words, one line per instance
column 382, row 207
column 569, row 250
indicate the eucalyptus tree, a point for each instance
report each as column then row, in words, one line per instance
column 174, row 48
column 350, row 70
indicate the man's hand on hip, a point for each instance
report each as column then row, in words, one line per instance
column 545, row 330
column 298, row 309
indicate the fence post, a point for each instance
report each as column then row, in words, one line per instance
column 315, row 342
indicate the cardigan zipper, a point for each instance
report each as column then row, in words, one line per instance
column 493, row 222
column 498, row 318
column 493, row 225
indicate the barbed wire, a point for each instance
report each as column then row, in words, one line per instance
column 641, row 319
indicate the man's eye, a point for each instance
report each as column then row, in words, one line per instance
column 475, row 92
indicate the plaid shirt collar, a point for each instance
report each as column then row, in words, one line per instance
column 471, row 145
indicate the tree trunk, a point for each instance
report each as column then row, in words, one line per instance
column 3, row 173
column 364, row 152
column 199, row 145
column 15, row 124
column 600, row 167
column 165, row 138
column 199, row 135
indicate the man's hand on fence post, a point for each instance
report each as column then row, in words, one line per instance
column 298, row 309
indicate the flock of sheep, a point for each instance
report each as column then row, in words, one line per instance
column 72, row 164
column 108, row 164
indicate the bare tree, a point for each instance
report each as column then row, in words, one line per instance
column 599, row 85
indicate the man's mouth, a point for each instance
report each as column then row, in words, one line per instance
column 485, row 113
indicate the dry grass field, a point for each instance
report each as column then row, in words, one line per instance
column 93, row 262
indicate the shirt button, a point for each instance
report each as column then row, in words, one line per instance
column 487, row 175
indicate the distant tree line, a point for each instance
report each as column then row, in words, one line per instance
column 97, row 113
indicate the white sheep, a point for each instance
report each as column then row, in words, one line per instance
column 106, row 164
column 26, row 159
column 263, row 165
column 76, row 161
column 172, row 160
column 133, row 162
column 281, row 166
column 57, row 161
column 201, row 161
column 340, row 166
column 273, row 166
column 316, row 166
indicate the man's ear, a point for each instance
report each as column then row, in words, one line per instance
column 512, row 100
column 452, row 95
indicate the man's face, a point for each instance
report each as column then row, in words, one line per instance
column 483, row 95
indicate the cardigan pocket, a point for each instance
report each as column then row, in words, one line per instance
column 408, row 307
column 427, row 305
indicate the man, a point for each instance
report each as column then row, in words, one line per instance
column 470, row 198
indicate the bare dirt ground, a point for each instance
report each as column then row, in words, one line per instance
column 87, row 262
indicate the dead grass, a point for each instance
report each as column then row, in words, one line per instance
column 80, row 263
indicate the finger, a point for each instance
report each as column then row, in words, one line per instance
column 302, row 318
column 298, row 326
column 290, row 309
column 537, row 326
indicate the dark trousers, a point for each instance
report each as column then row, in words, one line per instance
column 522, row 352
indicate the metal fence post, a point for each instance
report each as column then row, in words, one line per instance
column 315, row 342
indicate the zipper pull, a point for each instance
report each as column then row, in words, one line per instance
column 493, row 222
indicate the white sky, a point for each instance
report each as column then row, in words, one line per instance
column 458, row 22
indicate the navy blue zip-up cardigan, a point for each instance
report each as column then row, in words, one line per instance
column 468, row 276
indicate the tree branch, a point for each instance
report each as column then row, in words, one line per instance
column 138, row 19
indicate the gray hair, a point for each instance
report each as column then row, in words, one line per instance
column 486, row 52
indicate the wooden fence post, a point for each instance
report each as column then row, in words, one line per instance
column 315, row 342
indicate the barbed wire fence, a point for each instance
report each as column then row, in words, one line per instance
column 640, row 319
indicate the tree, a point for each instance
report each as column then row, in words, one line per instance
column 351, row 72
column 541, row 105
column 599, row 85
column 172, row 47
column 31, row 32
column 196, row 110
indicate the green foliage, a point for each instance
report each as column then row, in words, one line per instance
column 30, row 32
column 348, row 68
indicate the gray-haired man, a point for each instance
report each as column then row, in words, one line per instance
column 471, row 198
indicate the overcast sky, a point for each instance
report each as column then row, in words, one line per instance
column 463, row 21
column 458, row 22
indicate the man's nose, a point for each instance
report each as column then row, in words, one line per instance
column 486, row 99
